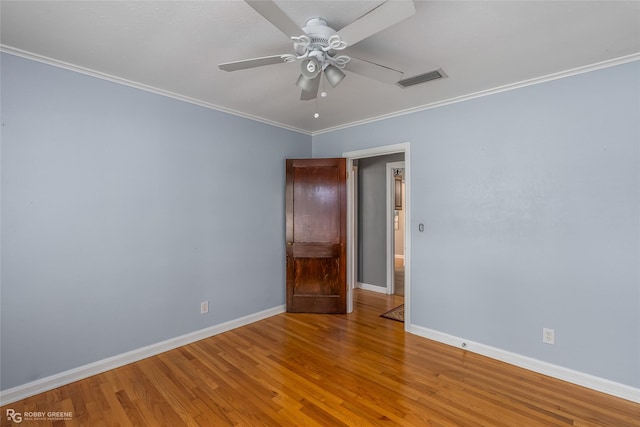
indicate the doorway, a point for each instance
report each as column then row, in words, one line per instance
column 353, row 209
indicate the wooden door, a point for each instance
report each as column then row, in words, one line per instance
column 316, row 231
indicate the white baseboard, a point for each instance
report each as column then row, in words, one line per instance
column 372, row 288
column 49, row 383
column 586, row 380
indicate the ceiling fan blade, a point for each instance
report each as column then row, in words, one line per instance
column 307, row 95
column 374, row 71
column 252, row 63
column 388, row 13
column 272, row 13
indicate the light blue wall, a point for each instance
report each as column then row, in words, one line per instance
column 531, row 205
column 121, row 211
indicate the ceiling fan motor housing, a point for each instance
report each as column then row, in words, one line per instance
column 318, row 32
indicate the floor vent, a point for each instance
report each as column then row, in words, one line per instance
column 422, row 78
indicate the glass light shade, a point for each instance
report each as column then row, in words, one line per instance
column 334, row 75
column 310, row 67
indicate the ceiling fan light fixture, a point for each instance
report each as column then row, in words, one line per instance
column 333, row 74
column 310, row 67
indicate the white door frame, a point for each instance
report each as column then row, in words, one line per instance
column 352, row 264
column 391, row 189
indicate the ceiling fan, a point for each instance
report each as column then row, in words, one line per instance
column 319, row 47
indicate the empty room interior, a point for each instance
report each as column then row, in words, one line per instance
column 208, row 206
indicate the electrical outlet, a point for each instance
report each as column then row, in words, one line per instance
column 204, row 307
column 548, row 336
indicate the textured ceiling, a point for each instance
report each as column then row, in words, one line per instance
column 176, row 46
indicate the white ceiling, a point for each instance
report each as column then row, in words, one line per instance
column 175, row 47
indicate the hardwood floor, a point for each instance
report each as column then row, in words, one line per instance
column 325, row 370
column 398, row 277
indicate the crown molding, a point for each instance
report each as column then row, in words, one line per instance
column 104, row 76
column 512, row 86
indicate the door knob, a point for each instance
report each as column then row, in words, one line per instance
column 289, row 243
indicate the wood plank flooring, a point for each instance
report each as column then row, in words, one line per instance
column 325, row 370
column 398, row 277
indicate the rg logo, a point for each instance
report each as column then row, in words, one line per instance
column 14, row 416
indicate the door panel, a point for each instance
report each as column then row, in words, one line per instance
column 316, row 235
